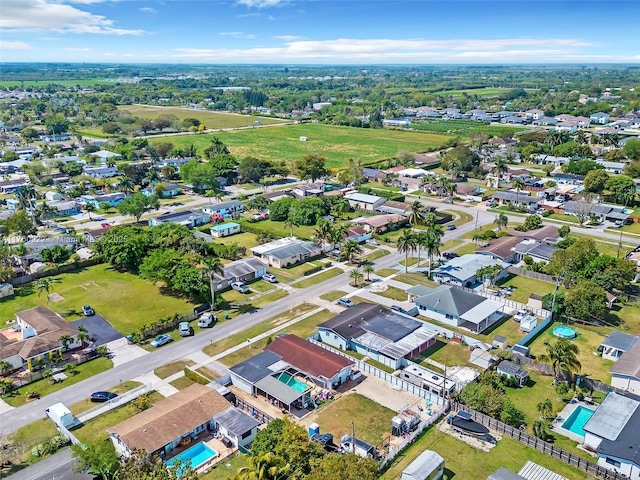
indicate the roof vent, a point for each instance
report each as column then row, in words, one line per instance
column 144, row 430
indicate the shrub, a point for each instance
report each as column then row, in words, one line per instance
column 312, row 270
column 527, row 259
column 195, row 376
column 143, row 402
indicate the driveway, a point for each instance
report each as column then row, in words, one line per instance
column 99, row 328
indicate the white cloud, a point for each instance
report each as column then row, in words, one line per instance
column 30, row 15
column 256, row 15
column 148, row 10
column 261, row 3
column 246, row 36
column 77, row 49
column 287, row 38
column 18, row 45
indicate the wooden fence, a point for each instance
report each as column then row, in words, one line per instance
column 531, row 274
column 540, row 445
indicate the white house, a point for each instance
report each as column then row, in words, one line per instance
column 286, row 251
column 225, row 229
column 599, row 118
column 363, row 201
column 616, row 344
column 626, row 371
column 101, row 172
column 462, row 270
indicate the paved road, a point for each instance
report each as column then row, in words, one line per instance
column 58, row 466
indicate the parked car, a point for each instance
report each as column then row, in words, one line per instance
column 240, row 287
column 450, row 255
column 160, row 340
column 491, row 202
column 451, row 226
column 103, row 396
column 269, row 277
column 398, row 308
column 206, row 320
column 520, row 314
column 345, row 302
column 184, row 329
column 373, row 241
column 617, row 224
column 88, row 311
column 105, row 224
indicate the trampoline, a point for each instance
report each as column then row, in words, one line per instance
column 562, row 331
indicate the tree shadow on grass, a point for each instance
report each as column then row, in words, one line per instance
column 245, row 308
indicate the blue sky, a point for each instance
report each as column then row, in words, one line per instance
column 320, row 31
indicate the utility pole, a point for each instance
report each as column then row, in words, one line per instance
column 619, row 245
column 353, row 437
column 555, row 291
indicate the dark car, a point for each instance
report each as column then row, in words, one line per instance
column 450, row 255
column 451, row 226
column 103, row 396
column 398, row 308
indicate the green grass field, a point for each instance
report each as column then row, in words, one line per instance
column 210, row 119
column 463, row 127
column 336, row 143
column 525, row 286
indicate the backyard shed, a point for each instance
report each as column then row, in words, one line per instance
column 500, row 341
column 513, row 370
column 6, row 290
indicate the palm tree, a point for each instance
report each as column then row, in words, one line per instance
column 209, row 267
column 83, row 334
column 89, row 207
column 126, row 185
column 501, row 221
column 337, row 234
column 368, row 270
column 26, row 196
column 267, row 466
column 323, row 231
column 65, row 340
column 350, row 249
column 433, row 242
column 5, row 367
column 355, row 275
column 563, row 357
column 290, row 224
column 518, row 184
column 500, row 169
column 406, row 243
column 545, row 409
column 416, row 214
column 44, row 285
column 421, row 239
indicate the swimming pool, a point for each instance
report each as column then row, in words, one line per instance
column 563, row 331
column 577, row 420
column 288, row 379
column 197, row 454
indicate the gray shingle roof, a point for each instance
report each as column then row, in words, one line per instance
column 422, row 467
column 236, row 421
column 257, row 367
column 279, row 390
column 621, row 341
column 451, row 300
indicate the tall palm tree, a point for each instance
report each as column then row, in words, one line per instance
column 209, row 267
column 26, row 196
column 338, row 233
column 355, row 275
column 501, row 221
column 290, row 223
column 266, row 466
column 65, row 340
column 433, row 242
column 417, row 213
column 563, row 357
column 518, row 184
column 545, row 408
column 44, row 285
column 89, row 207
column 322, row 232
column 500, row 169
column 126, row 185
column 421, row 239
column 368, row 270
column 406, row 244
column 350, row 249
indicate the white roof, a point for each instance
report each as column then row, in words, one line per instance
column 413, row 172
column 423, row 466
column 533, row 471
column 363, row 197
column 611, row 416
column 59, row 409
column 105, row 154
column 481, row 311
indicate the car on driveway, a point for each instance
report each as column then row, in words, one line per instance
column 240, row 287
column 184, row 328
column 345, row 302
column 519, row 315
column 269, row 277
column 160, row 340
column 398, row 308
column 88, row 311
column 103, row 396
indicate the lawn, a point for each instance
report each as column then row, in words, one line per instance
column 564, row 218
column 411, row 261
column 269, row 298
column 261, row 286
column 181, row 383
column 607, row 247
column 415, row 279
column 452, row 354
column 631, row 228
column 336, row 143
column 212, row 120
column 303, row 329
column 278, row 229
column 333, row 295
column 525, row 286
column 629, row 313
column 462, row 217
column 450, row 245
column 465, row 462
column 170, row 368
column 28, row 437
column 372, row 421
column 95, row 429
column 18, row 397
column 240, row 337
column 318, row 277
column 87, row 404
column 507, row 328
column 226, row 470
column 125, row 300
column 381, row 252
column 244, row 239
column 386, row 272
column 394, row 293
column 468, row 247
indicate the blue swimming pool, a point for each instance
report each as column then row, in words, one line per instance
column 290, row 380
column 577, row 420
column 197, row 455
column 563, row 331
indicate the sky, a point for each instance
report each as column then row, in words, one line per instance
column 320, row 31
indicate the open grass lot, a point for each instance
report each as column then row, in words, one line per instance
column 181, row 383
column 63, row 83
column 125, row 300
column 525, row 286
column 318, row 277
column 336, row 143
column 394, row 293
column 87, row 404
column 463, row 127
column 632, row 228
column 95, row 429
column 170, row 368
column 237, row 338
column 449, row 245
column 278, row 229
column 372, row 421
column 302, row 329
column 261, row 286
column 464, row 462
column 564, row 218
column 246, row 240
column 385, row 272
column 608, row 247
column 629, row 313
column 213, row 120
column 28, row 437
column 451, row 354
column 588, row 341
column 415, row 279
column 18, row 397
column 333, row 295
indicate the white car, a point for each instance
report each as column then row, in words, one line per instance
column 519, row 315
column 269, row 277
column 240, row 287
column 185, row 329
column 206, row 320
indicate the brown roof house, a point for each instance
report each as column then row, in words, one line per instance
column 35, row 338
column 178, row 420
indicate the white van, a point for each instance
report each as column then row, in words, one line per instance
column 206, row 320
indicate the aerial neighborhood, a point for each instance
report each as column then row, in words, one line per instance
column 225, row 282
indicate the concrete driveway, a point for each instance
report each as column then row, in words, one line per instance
column 99, row 328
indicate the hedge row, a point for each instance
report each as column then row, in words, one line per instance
column 195, row 376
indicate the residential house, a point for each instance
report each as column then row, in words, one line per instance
column 380, row 223
column 381, row 334
column 169, row 190
column 462, row 270
column 513, row 370
column 52, row 196
column 502, row 249
column 602, row 211
column 105, row 155
column 63, row 208
column 599, row 118
column 530, row 471
column 374, row 175
column 429, row 465
column 12, row 186
column 616, row 344
column 612, row 167
column 177, row 420
column 101, row 172
column 503, row 143
column 225, row 229
column 429, row 160
column 286, row 252
column 569, row 127
column 512, row 120
column 513, row 198
column 413, row 172
column 35, row 246
column 565, row 117
column 112, row 199
column 546, row 233
column 534, row 114
column 189, row 218
column 393, row 207
column 363, row 201
column 243, row 270
column 545, row 121
column 459, row 308
column 427, row 112
column 308, row 190
column 35, row 338
column 225, row 208
column 612, row 432
column 626, row 371
column 538, row 251
column 583, row 122
column 237, row 426
column 175, row 162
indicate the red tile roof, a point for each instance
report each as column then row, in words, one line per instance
column 308, row 357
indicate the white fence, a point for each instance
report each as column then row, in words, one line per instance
column 120, row 400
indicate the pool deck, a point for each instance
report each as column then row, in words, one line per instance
column 566, row 413
column 208, row 439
